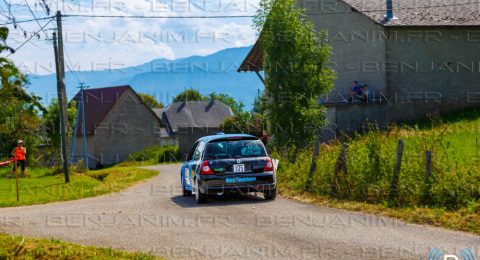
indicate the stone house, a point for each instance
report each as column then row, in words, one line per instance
column 117, row 123
column 188, row 121
column 418, row 56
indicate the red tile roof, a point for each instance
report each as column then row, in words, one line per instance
column 98, row 103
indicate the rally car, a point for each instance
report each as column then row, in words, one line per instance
column 223, row 163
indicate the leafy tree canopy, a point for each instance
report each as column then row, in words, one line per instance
column 194, row 95
column 19, row 114
column 237, row 107
column 150, row 101
column 189, row 95
column 295, row 62
column 245, row 123
column 51, row 122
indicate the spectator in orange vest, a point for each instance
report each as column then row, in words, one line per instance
column 19, row 154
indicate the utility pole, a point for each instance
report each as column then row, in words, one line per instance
column 84, row 129
column 61, row 91
column 80, row 111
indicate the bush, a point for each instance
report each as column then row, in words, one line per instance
column 157, row 154
column 81, row 167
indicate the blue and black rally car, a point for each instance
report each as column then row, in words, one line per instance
column 224, row 163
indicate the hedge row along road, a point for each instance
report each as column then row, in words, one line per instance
column 154, row 217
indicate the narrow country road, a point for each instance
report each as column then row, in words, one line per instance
column 154, row 217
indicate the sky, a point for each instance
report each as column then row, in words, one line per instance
column 112, row 43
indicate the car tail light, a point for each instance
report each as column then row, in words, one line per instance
column 206, row 170
column 269, row 166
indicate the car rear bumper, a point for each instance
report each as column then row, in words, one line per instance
column 214, row 184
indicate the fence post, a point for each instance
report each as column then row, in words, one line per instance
column 313, row 166
column 396, row 172
column 341, row 165
column 428, row 173
column 344, row 166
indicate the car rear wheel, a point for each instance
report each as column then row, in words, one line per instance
column 199, row 196
column 270, row 194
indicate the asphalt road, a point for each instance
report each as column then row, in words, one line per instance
column 154, row 217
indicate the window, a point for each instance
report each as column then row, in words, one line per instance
column 190, row 154
column 235, row 149
column 199, row 151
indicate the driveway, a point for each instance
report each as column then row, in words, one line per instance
column 154, row 217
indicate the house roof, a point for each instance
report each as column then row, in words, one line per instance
column 254, row 60
column 197, row 114
column 421, row 12
column 159, row 112
column 98, row 103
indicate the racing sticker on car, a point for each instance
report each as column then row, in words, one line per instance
column 240, row 179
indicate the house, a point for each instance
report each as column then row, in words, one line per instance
column 419, row 57
column 117, row 124
column 190, row 120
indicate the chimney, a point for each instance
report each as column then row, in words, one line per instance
column 212, row 99
column 389, row 16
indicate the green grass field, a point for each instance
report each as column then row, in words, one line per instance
column 14, row 247
column 449, row 198
column 42, row 186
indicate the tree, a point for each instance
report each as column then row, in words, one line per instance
column 189, row 95
column 150, row 101
column 295, row 62
column 194, row 95
column 237, row 107
column 51, row 122
column 19, row 114
column 246, row 123
column 259, row 104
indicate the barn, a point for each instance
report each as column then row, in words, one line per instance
column 418, row 57
column 117, row 124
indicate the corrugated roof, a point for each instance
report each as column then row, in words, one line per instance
column 197, row 114
column 98, row 103
column 421, row 12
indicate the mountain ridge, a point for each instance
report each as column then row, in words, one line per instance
column 164, row 78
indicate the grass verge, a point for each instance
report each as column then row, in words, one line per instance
column 460, row 220
column 14, row 247
column 43, row 186
column 445, row 194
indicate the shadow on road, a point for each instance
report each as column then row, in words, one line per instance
column 224, row 200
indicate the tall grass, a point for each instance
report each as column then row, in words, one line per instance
column 157, row 154
column 455, row 180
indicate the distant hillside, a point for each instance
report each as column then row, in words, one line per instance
column 166, row 78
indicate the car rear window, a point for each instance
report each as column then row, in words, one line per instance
column 235, row 149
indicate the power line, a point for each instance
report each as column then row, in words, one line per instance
column 33, row 35
column 70, row 66
column 46, row 35
column 11, row 16
column 158, row 17
column 28, row 20
column 45, row 6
